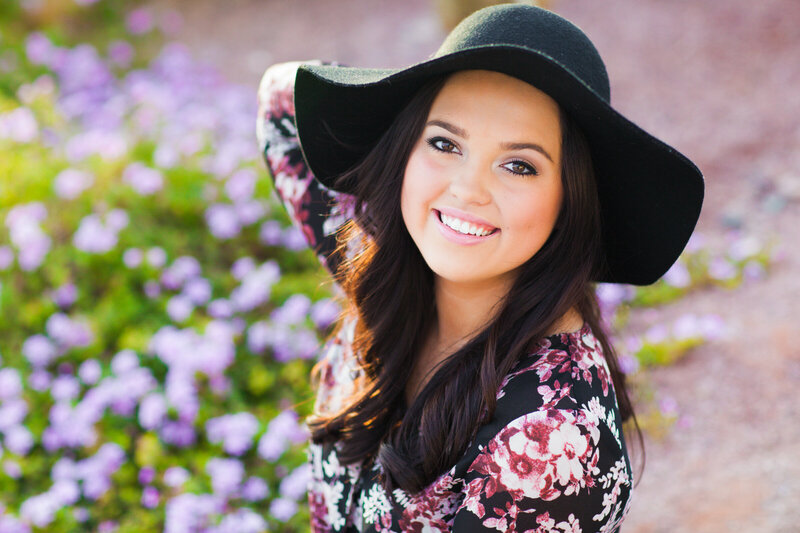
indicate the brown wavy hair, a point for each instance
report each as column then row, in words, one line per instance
column 389, row 289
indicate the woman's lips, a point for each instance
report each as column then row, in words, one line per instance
column 485, row 231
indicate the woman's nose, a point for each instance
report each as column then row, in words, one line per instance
column 469, row 185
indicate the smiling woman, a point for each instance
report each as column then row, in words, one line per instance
column 466, row 205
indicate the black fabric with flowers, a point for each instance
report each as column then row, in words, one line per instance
column 552, row 459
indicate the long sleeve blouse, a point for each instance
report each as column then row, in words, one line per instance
column 553, row 457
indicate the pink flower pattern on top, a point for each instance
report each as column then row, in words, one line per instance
column 551, row 459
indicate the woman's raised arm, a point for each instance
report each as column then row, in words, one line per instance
column 314, row 209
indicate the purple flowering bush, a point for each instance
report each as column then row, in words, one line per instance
column 158, row 323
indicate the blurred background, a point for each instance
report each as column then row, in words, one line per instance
column 159, row 315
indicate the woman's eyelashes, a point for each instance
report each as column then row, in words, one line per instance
column 520, row 168
column 442, row 144
column 516, row 167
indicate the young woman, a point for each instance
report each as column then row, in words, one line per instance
column 466, row 205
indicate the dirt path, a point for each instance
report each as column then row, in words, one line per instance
column 718, row 80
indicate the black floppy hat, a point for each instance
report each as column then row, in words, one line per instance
column 650, row 194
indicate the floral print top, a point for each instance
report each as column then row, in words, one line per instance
column 552, row 459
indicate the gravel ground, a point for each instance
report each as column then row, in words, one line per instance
column 717, row 80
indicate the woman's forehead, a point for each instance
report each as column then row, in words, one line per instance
column 488, row 102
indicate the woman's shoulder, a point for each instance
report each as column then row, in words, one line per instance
column 563, row 366
column 564, row 382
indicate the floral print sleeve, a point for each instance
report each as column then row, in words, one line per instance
column 314, row 209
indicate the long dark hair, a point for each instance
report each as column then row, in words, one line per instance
column 390, row 291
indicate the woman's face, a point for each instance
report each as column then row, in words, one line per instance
column 482, row 188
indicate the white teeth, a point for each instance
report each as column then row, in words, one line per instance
column 462, row 226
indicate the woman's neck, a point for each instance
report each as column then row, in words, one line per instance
column 464, row 310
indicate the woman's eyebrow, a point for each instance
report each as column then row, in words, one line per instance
column 452, row 128
column 522, row 146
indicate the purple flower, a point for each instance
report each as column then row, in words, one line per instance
column 178, row 433
column 150, row 497
column 686, row 327
column 12, row 413
column 156, row 256
column 223, row 221
column 19, row 125
column 39, row 510
column 9, row 524
column 242, row 267
column 120, row 53
column 39, row 350
column 324, row 312
column 146, row 475
column 271, row 233
column 175, row 476
column 39, row 49
column 39, row 380
column 18, row 439
column 255, row 489
column 182, row 269
column 81, row 514
column 241, row 185
column 12, row 469
column 189, row 512
column 117, row 219
column 94, row 237
column 226, row 475
column 165, row 156
column 124, row 361
column 721, row 269
column 713, row 327
column 294, row 239
column 295, row 485
column 67, row 332
column 282, row 430
column 283, row 509
column 65, row 388
column 744, row 248
column 256, row 287
column 132, row 257
column 152, row 289
column 250, row 211
column 220, row 308
column 90, row 371
column 235, row 431
column 293, row 311
column 139, row 21
column 143, row 179
column 242, row 520
column 10, row 384
column 657, row 334
column 152, row 411
column 628, row 364
column 65, row 295
column 179, row 308
column 70, row 183
column 753, row 271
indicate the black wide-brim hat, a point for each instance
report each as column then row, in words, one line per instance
column 650, row 194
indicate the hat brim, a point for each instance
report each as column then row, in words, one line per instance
column 650, row 194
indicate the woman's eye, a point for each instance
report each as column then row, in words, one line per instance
column 443, row 145
column 520, row 168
